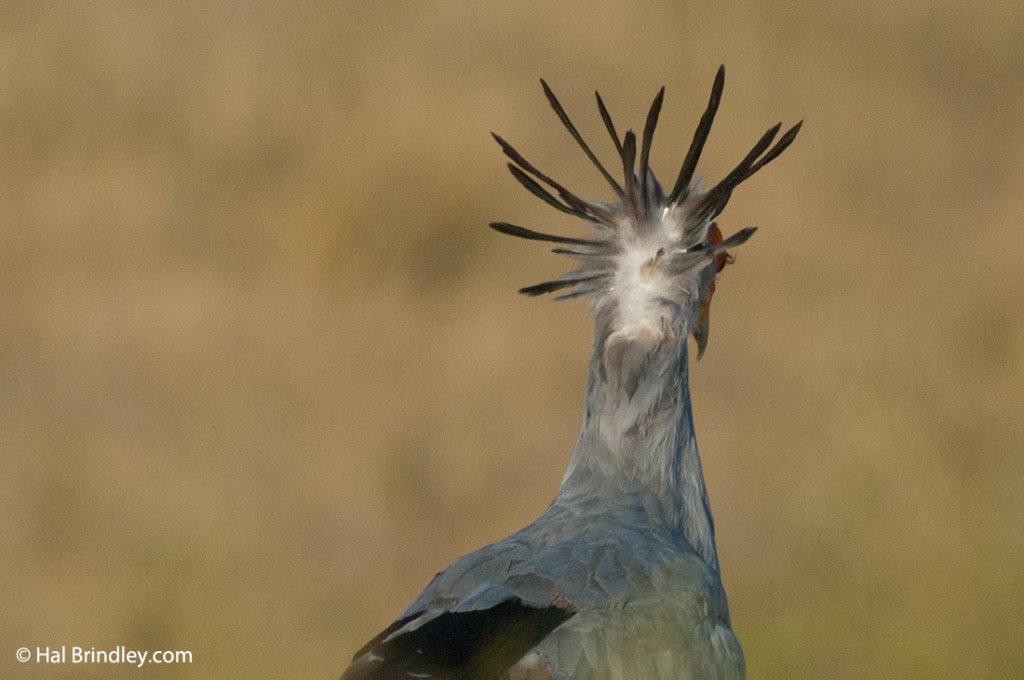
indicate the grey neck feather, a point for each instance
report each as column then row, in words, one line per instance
column 637, row 456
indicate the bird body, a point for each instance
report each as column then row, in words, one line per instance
column 619, row 578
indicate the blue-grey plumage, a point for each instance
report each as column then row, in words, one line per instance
column 619, row 578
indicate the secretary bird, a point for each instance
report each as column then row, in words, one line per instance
column 618, row 579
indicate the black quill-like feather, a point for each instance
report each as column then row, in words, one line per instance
column 700, row 136
column 629, row 175
column 537, row 190
column 530, row 234
column 564, row 117
column 559, row 284
column 608, row 124
column 776, row 150
column 581, row 208
column 645, row 147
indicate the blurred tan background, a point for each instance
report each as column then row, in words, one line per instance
column 263, row 369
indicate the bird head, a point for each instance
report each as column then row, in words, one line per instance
column 651, row 261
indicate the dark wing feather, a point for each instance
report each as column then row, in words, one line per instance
column 381, row 636
column 473, row 645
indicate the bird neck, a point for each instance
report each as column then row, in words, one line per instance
column 637, row 453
